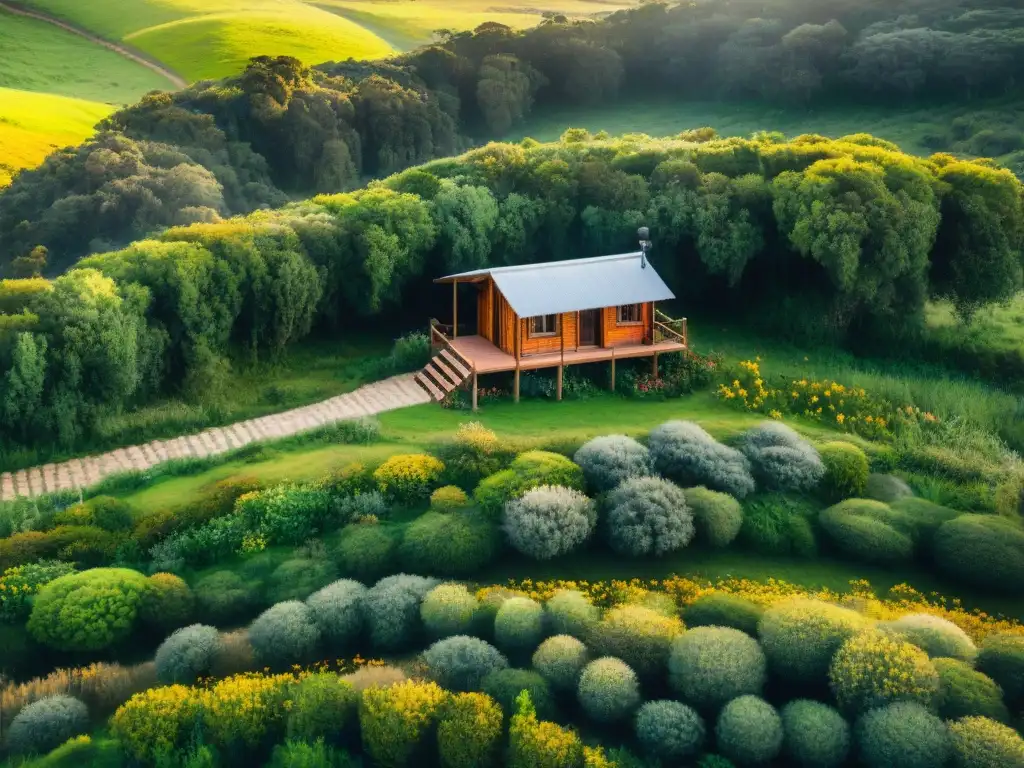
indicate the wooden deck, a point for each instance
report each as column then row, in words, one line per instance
column 487, row 358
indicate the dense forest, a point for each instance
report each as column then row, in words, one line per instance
column 844, row 239
column 283, row 131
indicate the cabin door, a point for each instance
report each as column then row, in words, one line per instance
column 590, row 327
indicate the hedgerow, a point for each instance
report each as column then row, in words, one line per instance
column 685, row 453
column 648, row 516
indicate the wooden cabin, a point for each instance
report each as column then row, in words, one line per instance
column 551, row 314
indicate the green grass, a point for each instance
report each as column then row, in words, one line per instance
column 43, row 58
column 999, row 327
column 32, row 125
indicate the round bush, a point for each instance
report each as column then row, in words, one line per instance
column 873, row 668
column 638, row 635
column 470, row 731
column 923, row 518
column 934, row 635
column 978, row 742
column 323, row 707
column 457, row 544
column 816, row 735
column 749, row 731
column 168, row 603
column 391, row 609
column 904, row 734
column 868, row 531
column 608, row 690
column 800, row 637
column 529, row 470
column 285, row 634
column 109, row 513
column 187, row 654
column 224, row 597
column 669, row 730
column 449, row 609
column 846, row 470
column 560, row 659
column 609, row 460
column 781, row 459
column 717, row 516
column 983, row 550
column 298, row 578
column 571, row 613
column 685, row 453
column 1001, row 657
column 519, row 624
column 886, row 488
column 460, row 663
column 366, row 551
column 448, row 498
column 88, row 611
column 648, row 516
column 338, row 612
column 965, row 692
column 47, row 723
column 721, row 609
column 408, row 477
column 548, row 521
column 505, row 686
column 712, row 665
column 776, row 524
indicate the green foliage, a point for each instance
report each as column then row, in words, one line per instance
column 391, row 608
column 549, row 521
column 800, row 637
column 868, row 530
column 718, row 517
column 367, row 551
column 519, row 625
column 19, row 583
column 560, row 659
column 301, row 754
column 104, row 512
column 408, row 478
column 323, row 707
column 449, row 609
column 846, row 471
column 47, row 723
column 872, row 669
column 721, row 609
column 285, row 514
column 469, row 732
column 936, row 636
column 298, row 578
column 1001, row 657
column 455, row 544
column 410, row 352
column 749, row 731
column 223, row 596
column 570, row 612
column 168, row 603
column 607, row 461
column 460, row 663
column 639, row 636
column 904, row 733
column 608, row 690
column 781, row 459
column 88, row 611
column 965, row 692
column 285, row 634
column 540, row 744
column 777, row 524
column 338, row 612
column 648, row 515
column 686, row 454
column 529, row 470
column 816, row 735
column 187, row 654
column 669, row 730
column 448, row 498
column 709, row 666
column 396, row 721
column 978, row 742
column 886, row 488
column 473, row 454
column 983, row 550
column 504, row 686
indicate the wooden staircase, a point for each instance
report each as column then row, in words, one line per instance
column 446, row 371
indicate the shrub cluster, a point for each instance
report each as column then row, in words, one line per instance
column 648, row 516
column 873, row 668
column 685, row 453
column 529, row 470
column 781, row 459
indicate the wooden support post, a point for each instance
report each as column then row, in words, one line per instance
column 515, row 384
column 455, row 308
column 613, row 369
column 654, row 366
column 474, row 388
column 561, row 361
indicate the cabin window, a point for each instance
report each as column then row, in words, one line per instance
column 543, row 325
column 629, row 313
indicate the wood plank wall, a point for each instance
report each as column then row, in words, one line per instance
column 550, row 343
column 614, row 335
column 484, row 310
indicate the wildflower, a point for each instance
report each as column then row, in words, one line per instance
column 840, row 418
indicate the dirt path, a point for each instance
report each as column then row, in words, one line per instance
column 387, row 395
column 177, row 80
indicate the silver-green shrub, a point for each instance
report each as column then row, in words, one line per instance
column 285, row 634
column 903, row 733
column 460, row 663
column 608, row 690
column 560, row 659
column 449, row 609
column 187, row 654
column 669, row 730
column 391, row 609
column 709, row 666
column 338, row 611
column 549, row 521
column 816, row 735
column 781, row 459
column 682, row 451
column 749, row 731
column 648, row 516
column 519, row 624
column 609, row 460
column 47, row 723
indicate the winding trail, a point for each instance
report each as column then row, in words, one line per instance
column 370, row 399
column 17, row 10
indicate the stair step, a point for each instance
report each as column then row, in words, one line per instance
column 455, row 363
column 437, row 377
column 428, row 385
column 455, row 378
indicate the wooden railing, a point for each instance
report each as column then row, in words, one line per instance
column 439, row 339
column 669, row 329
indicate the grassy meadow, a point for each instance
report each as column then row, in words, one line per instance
column 32, row 125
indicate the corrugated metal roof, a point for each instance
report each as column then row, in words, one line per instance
column 574, row 284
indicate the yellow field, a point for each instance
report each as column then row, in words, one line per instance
column 32, row 125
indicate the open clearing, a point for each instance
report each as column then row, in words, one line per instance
column 32, row 125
